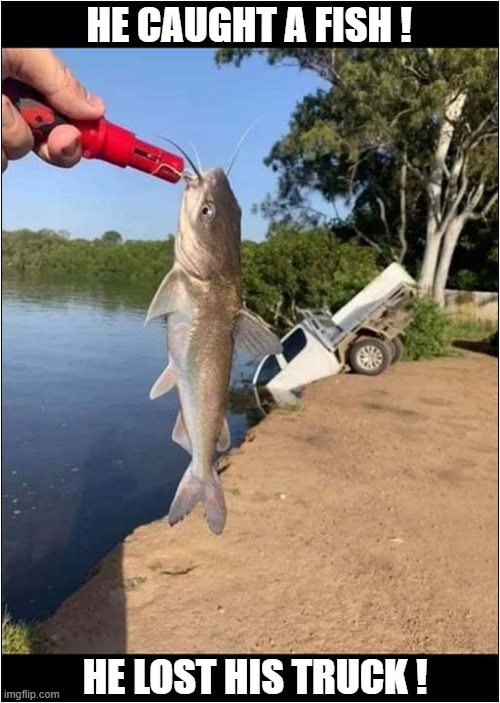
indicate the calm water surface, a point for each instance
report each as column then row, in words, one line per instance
column 86, row 456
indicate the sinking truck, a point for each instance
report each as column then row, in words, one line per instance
column 365, row 336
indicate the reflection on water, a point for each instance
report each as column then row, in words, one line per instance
column 86, row 456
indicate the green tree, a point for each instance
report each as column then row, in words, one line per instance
column 408, row 137
column 475, row 263
column 112, row 237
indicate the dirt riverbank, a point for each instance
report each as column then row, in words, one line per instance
column 366, row 521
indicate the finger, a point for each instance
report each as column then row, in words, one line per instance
column 17, row 138
column 62, row 148
column 44, row 70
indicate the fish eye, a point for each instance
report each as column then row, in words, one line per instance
column 207, row 212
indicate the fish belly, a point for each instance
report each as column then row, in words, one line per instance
column 201, row 348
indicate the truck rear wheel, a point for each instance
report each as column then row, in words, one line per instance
column 369, row 356
column 396, row 348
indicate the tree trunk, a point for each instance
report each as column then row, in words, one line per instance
column 450, row 240
column 435, row 215
column 430, row 262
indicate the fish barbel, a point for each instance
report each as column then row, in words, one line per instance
column 201, row 296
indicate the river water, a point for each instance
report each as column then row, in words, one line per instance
column 86, row 456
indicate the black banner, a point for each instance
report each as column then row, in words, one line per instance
column 205, row 677
column 392, row 24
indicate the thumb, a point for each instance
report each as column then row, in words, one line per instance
column 46, row 72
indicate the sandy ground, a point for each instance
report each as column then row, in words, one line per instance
column 365, row 522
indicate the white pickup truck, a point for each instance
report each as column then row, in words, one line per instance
column 365, row 335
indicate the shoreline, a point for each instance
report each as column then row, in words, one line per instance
column 341, row 534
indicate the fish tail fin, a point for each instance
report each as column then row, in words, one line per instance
column 191, row 491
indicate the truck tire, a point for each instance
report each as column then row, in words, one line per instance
column 396, row 348
column 369, row 356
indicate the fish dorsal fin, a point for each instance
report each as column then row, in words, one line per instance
column 253, row 336
column 225, row 438
column 164, row 383
column 166, row 298
column 180, row 434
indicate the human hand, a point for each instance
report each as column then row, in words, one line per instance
column 44, row 71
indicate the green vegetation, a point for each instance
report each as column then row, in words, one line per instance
column 21, row 638
column 429, row 335
column 465, row 329
column 55, row 255
column 298, row 267
column 433, row 332
column 408, row 139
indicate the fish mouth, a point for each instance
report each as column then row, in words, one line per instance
column 192, row 179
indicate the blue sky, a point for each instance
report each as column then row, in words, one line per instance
column 177, row 93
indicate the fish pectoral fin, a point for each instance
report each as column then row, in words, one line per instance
column 166, row 298
column 164, row 383
column 225, row 438
column 253, row 336
column 180, row 434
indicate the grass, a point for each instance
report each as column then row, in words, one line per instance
column 21, row 637
column 466, row 329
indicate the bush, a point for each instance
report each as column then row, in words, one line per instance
column 429, row 333
column 21, row 638
column 299, row 268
